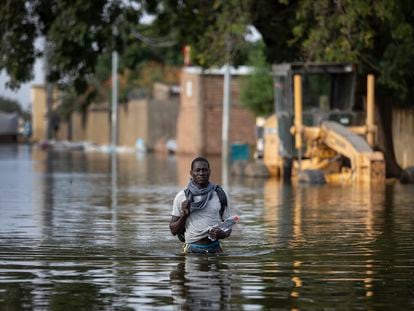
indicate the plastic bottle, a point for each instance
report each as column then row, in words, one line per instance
column 227, row 224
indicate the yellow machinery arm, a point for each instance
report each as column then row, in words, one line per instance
column 366, row 164
column 318, row 146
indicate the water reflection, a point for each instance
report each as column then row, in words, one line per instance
column 90, row 231
column 201, row 283
column 114, row 190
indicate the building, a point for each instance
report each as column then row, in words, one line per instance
column 199, row 125
column 149, row 118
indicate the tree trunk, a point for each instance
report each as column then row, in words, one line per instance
column 385, row 138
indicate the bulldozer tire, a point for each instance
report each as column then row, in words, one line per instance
column 407, row 176
column 312, row 177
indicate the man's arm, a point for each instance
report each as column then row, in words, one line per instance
column 177, row 223
column 216, row 233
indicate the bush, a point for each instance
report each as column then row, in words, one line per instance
column 9, row 105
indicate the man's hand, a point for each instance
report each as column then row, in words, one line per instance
column 185, row 207
column 216, row 233
column 177, row 224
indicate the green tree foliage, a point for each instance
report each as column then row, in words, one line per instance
column 207, row 26
column 78, row 35
column 215, row 30
column 76, row 32
column 377, row 35
column 256, row 91
column 275, row 21
column 79, row 38
column 9, row 105
column 17, row 50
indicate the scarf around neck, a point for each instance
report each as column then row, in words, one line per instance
column 205, row 193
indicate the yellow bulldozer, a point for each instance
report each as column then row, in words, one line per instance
column 321, row 132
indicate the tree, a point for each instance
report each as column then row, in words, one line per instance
column 256, row 91
column 71, row 33
column 9, row 105
column 17, row 51
column 215, row 30
column 77, row 33
column 377, row 35
column 275, row 20
column 79, row 37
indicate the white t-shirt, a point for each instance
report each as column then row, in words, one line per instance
column 199, row 222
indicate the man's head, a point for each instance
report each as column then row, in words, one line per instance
column 200, row 171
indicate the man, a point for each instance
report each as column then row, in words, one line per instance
column 198, row 214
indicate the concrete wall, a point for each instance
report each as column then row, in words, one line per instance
column 92, row 126
column 152, row 119
column 39, row 115
column 133, row 122
column 199, row 128
column 403, row 135
column 162, row 122
column 39, row 120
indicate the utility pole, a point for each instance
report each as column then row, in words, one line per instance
column 226, row 118
column 114, row 127
column 49, row 93
column 114, row 105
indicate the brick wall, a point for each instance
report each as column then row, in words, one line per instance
column 199, row 128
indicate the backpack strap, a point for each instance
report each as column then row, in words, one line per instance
column 223, row 200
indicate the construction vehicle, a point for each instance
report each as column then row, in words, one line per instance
column 320, row 131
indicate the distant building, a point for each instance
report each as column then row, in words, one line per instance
column 148, row 118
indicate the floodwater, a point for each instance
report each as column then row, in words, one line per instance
column 82, row 231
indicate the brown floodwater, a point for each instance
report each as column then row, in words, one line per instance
column 84, row 231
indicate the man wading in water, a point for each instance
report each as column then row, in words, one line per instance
column 197, row 211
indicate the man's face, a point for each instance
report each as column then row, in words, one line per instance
column 200, row 173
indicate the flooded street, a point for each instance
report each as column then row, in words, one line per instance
column 82, row 231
